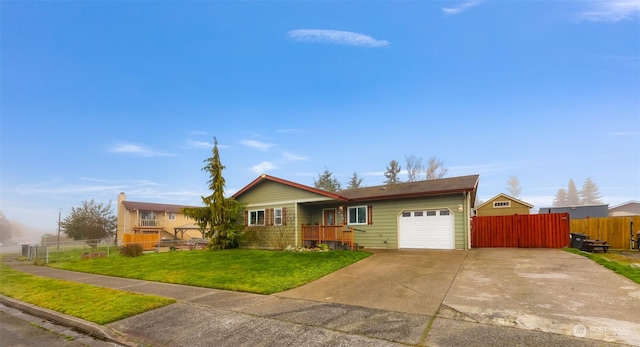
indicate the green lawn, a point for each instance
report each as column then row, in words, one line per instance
column 618, row 264
column 255, row 271
column 92, row 303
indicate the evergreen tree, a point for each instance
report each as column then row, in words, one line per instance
column 355, row 182
column 561, row 198
column 573, row 197
column 589, row 194
column 327, row 182
column 513, row 186
column 392, row 173
column 220, row 214
column 5, row 228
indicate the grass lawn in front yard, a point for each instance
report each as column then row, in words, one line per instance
column 92, row 303
column 620, row 264
column 246, row 270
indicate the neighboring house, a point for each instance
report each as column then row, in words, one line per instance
column 432, row 214
column 579, row 212
column 629, row 208
column 503, row 205
column 146, row 218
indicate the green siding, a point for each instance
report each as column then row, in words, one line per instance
column 268, row 192
column 383, row 233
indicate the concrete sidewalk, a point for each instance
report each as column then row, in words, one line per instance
column 398, row 297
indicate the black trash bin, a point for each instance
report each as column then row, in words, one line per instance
column 577, row 239
column 25, row 250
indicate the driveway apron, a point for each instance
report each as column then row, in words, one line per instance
column 546, row 290
column 409, row 281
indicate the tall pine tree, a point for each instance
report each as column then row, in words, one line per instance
column 573, row 197
column 561, row 198
column 589, row 194
column 392, row 173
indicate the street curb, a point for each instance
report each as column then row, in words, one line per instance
column 99, row 331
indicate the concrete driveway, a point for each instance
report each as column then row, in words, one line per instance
column 535, row 290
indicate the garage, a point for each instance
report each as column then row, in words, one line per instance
column 428, row 229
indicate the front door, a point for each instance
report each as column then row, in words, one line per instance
column 329, row 217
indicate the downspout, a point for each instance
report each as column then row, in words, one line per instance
column 468, row 213
column 296, row 222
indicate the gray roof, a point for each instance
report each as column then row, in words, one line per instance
column 150, row 206
column 442, row 186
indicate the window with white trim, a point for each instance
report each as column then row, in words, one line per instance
column 172, row 216
column 357, row 215
column 256, row 217
column 500, row 204
column 277, row 216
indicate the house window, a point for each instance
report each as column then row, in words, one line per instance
column 256, row 217
column 501, row 204
column 358, row 215
column 431, row 213
column 418, row 214
column 172, row 216
column 406, row 214
column 444, row 212
column 277, row 216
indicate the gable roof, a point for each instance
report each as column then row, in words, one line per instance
column 441, row 186
column 505, row 196
column 265, row 177
column 150, row 206
column 630, row 203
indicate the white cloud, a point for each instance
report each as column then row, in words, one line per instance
column 263, row 167
column 611, row 10
column 257, row 144
column 338, row 37
column 199, row 144
column 286, row 131
column 138, row 150
column 624, row 133
column 291, row 156
column 460, row 8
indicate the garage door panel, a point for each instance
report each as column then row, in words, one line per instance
column 429, row 229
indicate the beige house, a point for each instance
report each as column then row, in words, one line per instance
column 158, row 221
column 503, row 205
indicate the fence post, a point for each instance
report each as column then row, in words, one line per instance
column 46, row 257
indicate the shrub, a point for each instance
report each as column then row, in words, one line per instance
column 131, row 250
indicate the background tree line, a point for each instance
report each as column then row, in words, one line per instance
column 415, row 171
column 589, row 194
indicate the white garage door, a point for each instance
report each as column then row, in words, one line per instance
column 431, row 229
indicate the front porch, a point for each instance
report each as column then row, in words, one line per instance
column 336, row 236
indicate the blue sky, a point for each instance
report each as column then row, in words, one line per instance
column 104, row 97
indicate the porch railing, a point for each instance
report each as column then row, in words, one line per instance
column 155, row 223
column 327, row 233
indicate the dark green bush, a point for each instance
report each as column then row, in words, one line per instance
column 131, row 250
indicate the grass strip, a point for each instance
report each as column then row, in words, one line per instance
column 617, row 264
column 89, row 302
column 246, row 270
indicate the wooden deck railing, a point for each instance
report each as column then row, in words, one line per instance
column 328, row 233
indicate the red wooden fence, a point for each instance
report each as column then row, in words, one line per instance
column 523, row 231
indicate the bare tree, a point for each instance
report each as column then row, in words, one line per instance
column 414, row 168
column 392, row 172
column 355, row 182
column 513, row 186
column 435, row 169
